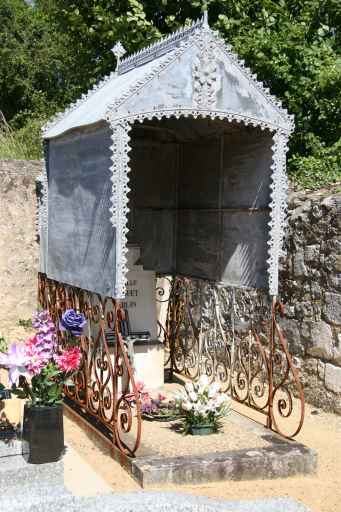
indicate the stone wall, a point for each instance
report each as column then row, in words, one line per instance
column 311, row 291
column 18, row 246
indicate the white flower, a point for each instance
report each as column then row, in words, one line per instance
column 189, row 387
column 203, row 384
column 187, row 406
column 199, row 408
column 203, row 381
column 211, row 407
column 193, row 396
column 213, row 389
column 222, row 400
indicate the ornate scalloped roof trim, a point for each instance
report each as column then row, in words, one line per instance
column 176, row 45
column 42, row 203
column 199, row 112
column 159, row 48
column 39, row 200
column 44, row 182
column 60, row 115
column 198, row 37
column 278, row 207
column 119, row 199
column 252, row 77
column 120, row 169
column 139, row 84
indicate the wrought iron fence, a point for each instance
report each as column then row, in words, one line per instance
column 103, row 389
column 233, row 336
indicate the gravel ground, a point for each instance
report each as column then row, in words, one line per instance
column 162, row 439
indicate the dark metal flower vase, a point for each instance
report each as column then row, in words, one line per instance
column 43, row 433
column 202, row 430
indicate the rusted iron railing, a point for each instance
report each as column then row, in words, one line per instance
column 103, row 390
column 205, row 333
column 244, row 349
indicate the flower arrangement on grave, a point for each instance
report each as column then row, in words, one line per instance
column 203, row 406
column 38, row 370
column 159, row 408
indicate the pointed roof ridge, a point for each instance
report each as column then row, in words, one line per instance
column 138, row 69
column 143, row 56
column 159, row 48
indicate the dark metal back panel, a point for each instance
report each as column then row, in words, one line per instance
column 200, row 200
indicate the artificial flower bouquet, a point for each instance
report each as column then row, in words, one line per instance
column 157, row 408
column 38, row 369
column 203, row 405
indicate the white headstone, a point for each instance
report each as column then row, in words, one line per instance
column 140, row 301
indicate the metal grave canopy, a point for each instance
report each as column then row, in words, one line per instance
column 205, row 145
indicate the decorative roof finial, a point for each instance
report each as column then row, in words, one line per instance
column 119, row 51
column 205, row 18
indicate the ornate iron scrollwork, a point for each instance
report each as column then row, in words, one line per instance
column 233, row 337
column 104, row 386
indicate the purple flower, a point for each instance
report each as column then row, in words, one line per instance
column 72, row 322
column 43, row 323
column 46, row 341
column 15, row 360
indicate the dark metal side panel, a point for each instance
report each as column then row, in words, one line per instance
column 81, row 238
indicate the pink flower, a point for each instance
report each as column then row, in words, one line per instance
column 37, row 355
column 16, row 362
column 36, row 364
column 141, row 389
column 30, row 342
column 140, row 386
column 69, row 360
column 161, row 397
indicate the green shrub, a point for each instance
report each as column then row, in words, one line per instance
column 22, row 144
column 320, row 169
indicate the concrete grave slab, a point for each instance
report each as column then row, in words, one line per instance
column 272, row 457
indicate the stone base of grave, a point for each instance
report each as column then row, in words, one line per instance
column 268, row 457
column 244, row 451
column 278, row 461
column 57, row 486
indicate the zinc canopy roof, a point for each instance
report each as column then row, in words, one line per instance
column 164, row 63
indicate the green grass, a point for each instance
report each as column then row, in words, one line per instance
column 22, row 144
column 3, row 344
column 27, row 324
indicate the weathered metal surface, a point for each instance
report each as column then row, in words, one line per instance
column 243, row 348
column 104, row 387
column 169, row 78
column 247, row 159
column 244, row 249
column 81, row 239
